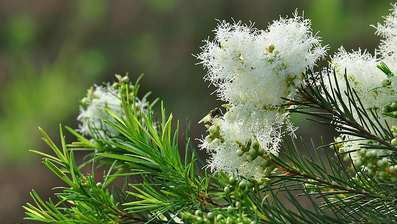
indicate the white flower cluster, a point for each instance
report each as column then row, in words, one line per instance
column 375, row 89
column 93, row 115
column 253, row 70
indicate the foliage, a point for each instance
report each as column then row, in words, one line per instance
column 148, row 180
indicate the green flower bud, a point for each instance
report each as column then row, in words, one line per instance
column 240, row 152
column 385, row 82
column 387, row 109
column 261, row 151
column 198, row 213
column 232, row 180
column 394, row 142
column 253, row 153
column 394, row 179
column 391, row 170
column 382, row 173
column 380, row 163
column 264, row 162
column 255, row 145
column 242, row 185
column 227, row 190
column 239, row 204
column 394, row 106
column 358, row 163
column 370, row 154
column 210, row 216
column 213, row 129
column 125, row 79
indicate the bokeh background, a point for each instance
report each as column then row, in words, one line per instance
column 52, row 51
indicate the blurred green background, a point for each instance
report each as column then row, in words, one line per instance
column 51, row 52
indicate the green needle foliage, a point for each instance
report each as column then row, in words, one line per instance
column 174, row 190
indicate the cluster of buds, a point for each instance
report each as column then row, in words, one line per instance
column 210, row 217
column 390, row 110
column 253, row 151
column 214, row 135
column 375, row 165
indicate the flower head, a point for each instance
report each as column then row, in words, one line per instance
column 254, row 70
column 93, row 114
column 260, row 66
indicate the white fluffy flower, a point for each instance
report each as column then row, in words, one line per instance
column 240, row 125
column 92, row 116
column 388, row 30
column 367, row 80
column 253, row 70
column 260, row 66
column 363, row 76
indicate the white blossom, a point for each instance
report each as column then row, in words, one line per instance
column 253, row 71
column 93, row 115
column 260, row 66
column 367, row 80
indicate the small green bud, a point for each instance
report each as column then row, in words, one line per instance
column 394, row 142
column 115, row 85
column 199, row 220
column 387, row 109
column 255, row 145
column 239, row 204
column 391, row 170
column 394, row 179
column 370, row 154
column 264, row 162
column 99, row 185
column 361, row 152
column 208, row 138
column 261, row 151
column 219, row 217
column 346, row 157
column 227, row 190
column 198, row 213
column 230, row 209
column 394, row 106
column 125, row 79
column 382, row 173
column 240, row 152
column 253, row 153
column 232, row 180
column 213, row 129
column 385, row 82
column 395, row 113
column 210, row 216
column 358, row 163
column 242, row 185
